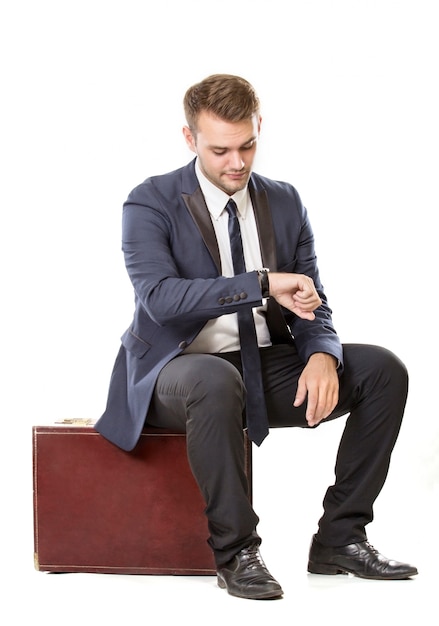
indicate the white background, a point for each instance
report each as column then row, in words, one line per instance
column 91, row 105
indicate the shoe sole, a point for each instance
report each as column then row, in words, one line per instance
column 332, row 570
column 268, row 595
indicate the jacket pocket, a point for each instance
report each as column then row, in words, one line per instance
column 135, row 344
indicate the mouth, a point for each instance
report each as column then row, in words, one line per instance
column 236, row 175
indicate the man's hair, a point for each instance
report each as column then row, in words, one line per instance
column 231, row 98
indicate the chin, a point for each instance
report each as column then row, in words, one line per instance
column 233, row 188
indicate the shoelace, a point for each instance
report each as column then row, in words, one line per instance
column 254, row 559
column 372, row 549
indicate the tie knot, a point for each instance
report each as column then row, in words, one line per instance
column 231, row 208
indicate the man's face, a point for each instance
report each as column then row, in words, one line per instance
column 225, row 150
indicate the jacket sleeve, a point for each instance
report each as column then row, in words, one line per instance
column 168, row 264
column 296, row 253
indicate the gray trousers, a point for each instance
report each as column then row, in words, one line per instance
column 204, row 396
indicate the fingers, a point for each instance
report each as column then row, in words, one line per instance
column 305, row 315
column 315, row 413
column 295, row 292
column 306, row 296
column 300, row 393
column 312, row 415
column 306, row 300
column 318, row 385
column 319, row 408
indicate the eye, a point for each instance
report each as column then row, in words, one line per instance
column 248, row 146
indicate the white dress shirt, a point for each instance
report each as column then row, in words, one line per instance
column 221, row 334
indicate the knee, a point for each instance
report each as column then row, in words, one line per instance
column 378, row 366
column 219, row 385
column 392, row 367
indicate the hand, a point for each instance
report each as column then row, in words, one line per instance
column 295, row 292
column 319, row 380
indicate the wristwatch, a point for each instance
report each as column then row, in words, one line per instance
column 264, row 282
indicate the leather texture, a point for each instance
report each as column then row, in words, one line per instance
column 247, row 576
column 100, row 509
column 360, row 559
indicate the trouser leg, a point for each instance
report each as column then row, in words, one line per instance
column 204, row 396
column 373, row 388
column 373, row 391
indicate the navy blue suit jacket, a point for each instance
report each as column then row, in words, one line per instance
column 172, row 258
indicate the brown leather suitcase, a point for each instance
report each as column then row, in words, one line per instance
column 100, row 509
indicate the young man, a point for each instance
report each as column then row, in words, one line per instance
column 183, row 361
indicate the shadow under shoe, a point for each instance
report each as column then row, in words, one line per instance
column 360, row 559
column 246, row 576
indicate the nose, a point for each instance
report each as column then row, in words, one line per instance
column 236, row 162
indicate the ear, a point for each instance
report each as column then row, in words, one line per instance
column 189, row 138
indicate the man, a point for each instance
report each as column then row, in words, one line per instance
column 180, row 362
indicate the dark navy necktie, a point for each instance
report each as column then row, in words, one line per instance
column 256, row 412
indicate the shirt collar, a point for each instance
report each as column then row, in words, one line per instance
column 216, row 199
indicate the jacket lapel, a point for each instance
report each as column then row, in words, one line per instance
column 197, row 208
column 265, row 227
column 275, row 320
column 200, row 214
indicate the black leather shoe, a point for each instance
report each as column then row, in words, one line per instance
column 246, row 576
column 360, row 559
